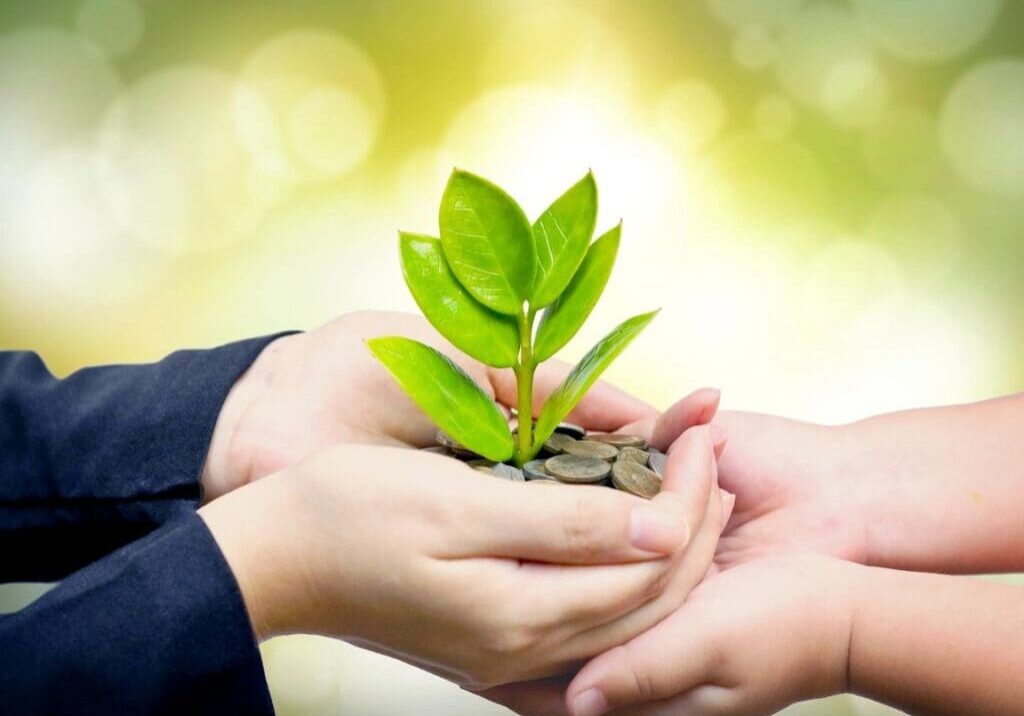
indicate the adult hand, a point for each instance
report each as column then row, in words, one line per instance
column 478, row 579
column 311, row 390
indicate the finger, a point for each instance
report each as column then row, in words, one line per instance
column 697, row 408
column 644, row 428
column 676, row 512
column 689, row 569
column 562, row 524
column 542, row 697
column 728, row 504
column 604, row 407
column 670, row 659
column 704, row 700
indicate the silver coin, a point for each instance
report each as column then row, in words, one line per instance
column 637, row 455
column 635, row 479
column 657, row 461
column 619, row 440
column 572, row 430
column 534, row 470
column 577, row 469
column 460, row 451
column 508, row 472
column 589, row 448
column 556, row 442
column 437, row 449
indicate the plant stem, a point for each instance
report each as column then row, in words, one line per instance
column 524, row 380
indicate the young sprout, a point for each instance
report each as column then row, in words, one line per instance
column 483, row 285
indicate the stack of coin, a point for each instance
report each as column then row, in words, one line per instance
column 571, row 456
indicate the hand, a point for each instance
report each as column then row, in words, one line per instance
column 749, row 640
column 308, row 391
column 481, row 580
column 793, row 485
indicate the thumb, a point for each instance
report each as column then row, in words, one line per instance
column 665, row 661
column 671, row 518
column 697, row 408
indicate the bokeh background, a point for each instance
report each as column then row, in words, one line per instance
column 825, row 197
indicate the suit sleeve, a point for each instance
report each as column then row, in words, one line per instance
column 157, row 627
column 96, row 460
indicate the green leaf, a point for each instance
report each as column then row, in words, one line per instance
column 560, row 236
column 587, row 371
column 471, row 327
column 487, row 242
column 562, row 319
column 445, row 393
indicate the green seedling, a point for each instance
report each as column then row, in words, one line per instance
column 483, row 285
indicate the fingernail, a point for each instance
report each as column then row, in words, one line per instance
column 590, row 703
column 708, row 413
column 728, row 503
column 657, row 529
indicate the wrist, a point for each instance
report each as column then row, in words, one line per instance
column 255, row 530
column 857, row 473
column 829, row 659
column 228, row 462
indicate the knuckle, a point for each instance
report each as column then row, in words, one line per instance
column 659, row 581
column 639, row 682
column 580, row 528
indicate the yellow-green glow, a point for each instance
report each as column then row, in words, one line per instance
column 826, row 199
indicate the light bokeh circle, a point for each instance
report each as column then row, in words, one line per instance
column 115, row 26
column 765, row 13
column 565, row 45
column 174, row 170
column 982, row 127
column 326, row 106
column 927, row 31
column 826, row 61
column 62, row 249
column 53, row 87
column 754, row 48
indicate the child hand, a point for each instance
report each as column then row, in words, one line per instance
column 749, row 640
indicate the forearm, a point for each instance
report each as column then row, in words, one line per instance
column 98, row 459
column 942, row 488
column 932, row 644
column 158, row 627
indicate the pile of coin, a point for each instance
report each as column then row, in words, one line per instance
column 571, row 456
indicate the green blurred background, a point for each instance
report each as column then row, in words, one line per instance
column 826, row 198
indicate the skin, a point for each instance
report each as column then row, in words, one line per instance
column 791, row 609
column 312, row 492
column 313, row 390
column 461, row 551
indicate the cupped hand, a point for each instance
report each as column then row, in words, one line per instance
column 747, row 642
column 481, row 580
column 308, row 391
column 793, row 493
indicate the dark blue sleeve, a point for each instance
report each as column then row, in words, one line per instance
column 158, row 627
column 98, row 459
